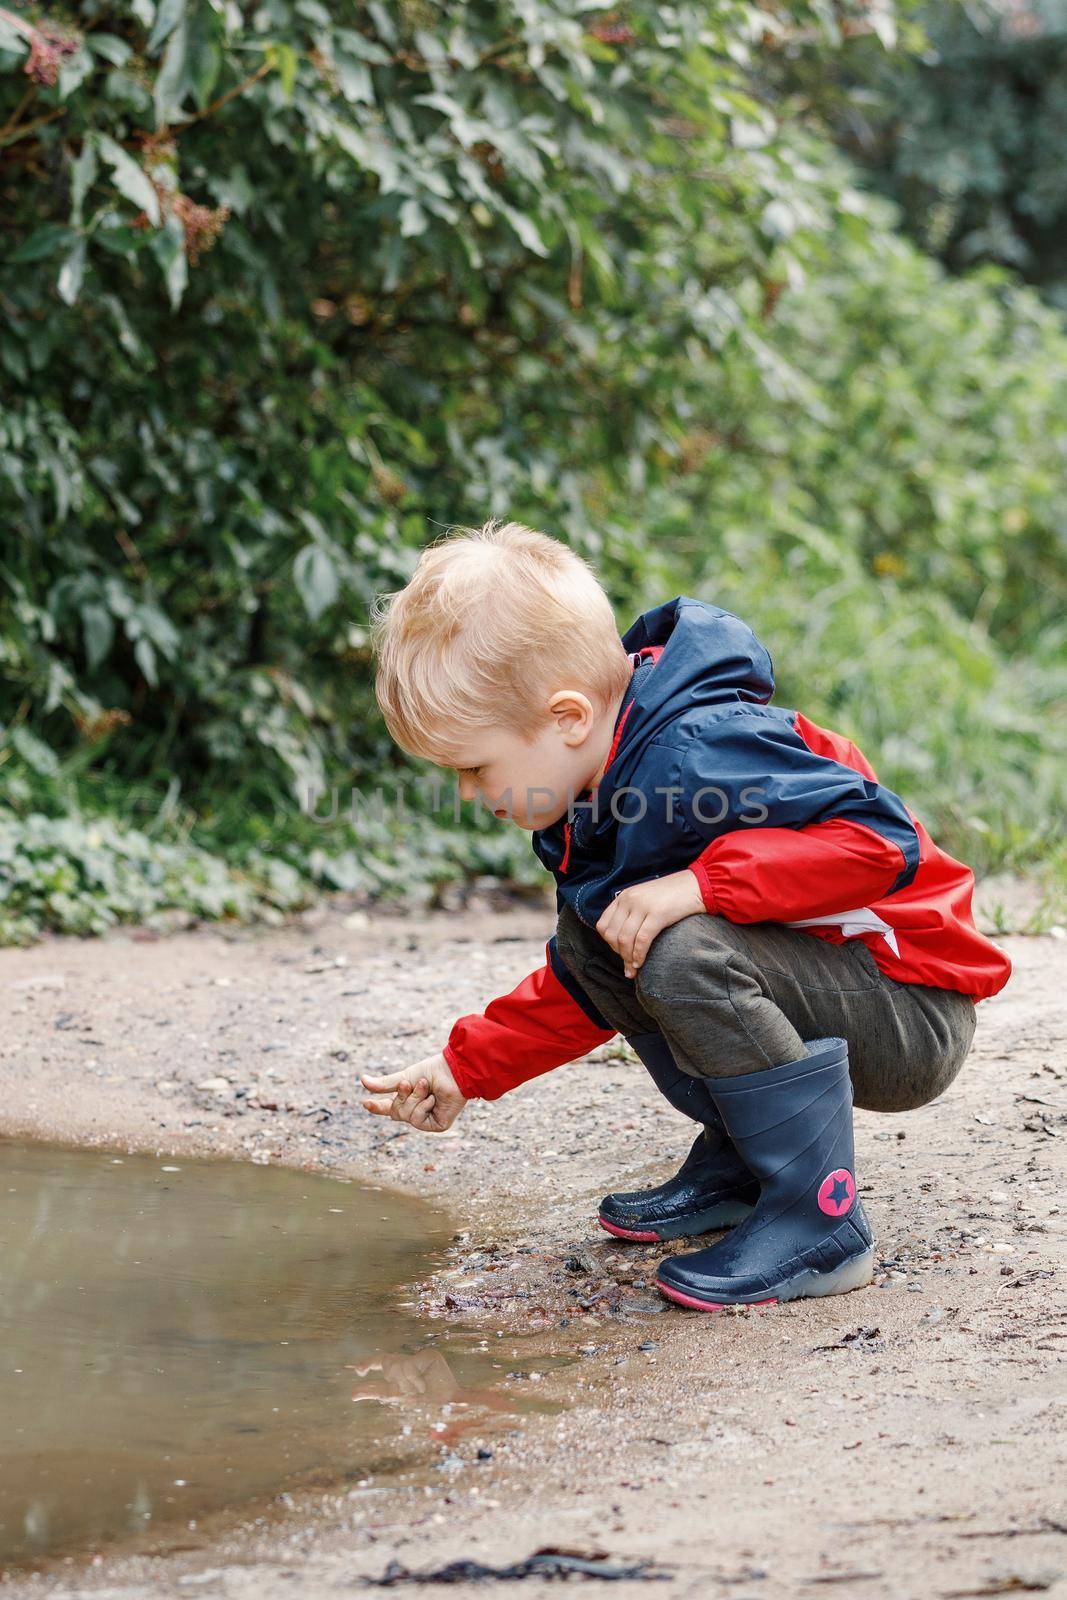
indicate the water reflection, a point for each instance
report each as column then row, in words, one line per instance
column 179, row 1336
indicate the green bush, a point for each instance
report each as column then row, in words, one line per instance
column 891, row 520
column 282, row 294
column 965, row 132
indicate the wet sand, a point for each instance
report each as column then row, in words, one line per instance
column 904, row 1440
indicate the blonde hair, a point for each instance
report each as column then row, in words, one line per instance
column 492, row 622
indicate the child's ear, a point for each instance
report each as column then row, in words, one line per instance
column 573, row 713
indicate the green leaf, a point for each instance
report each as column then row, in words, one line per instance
column 883, row 24
column 41, row 243
column 168, row 247
column 355, row 81
column 83, row 170
column 412, row 219
column 172, row 80
column 317, row 580
column 10, row 37
column 429, row 46
column 72, row 271
column 203, row 59
column 170, row 13
column 383, row 21
column 357, row 44
column 525, row 227
column 74, row 71
column 130, row 180
column 157, row 626
column 13, row 358
column 284, row 59
column 64, row 488
column 36, row 754
column 779, row 219
column 110, row 46
column 98, row 630
column 145, row 657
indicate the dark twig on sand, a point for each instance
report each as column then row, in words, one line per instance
column 547, row 1563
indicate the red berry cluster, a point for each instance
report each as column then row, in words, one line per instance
column 610, row 31
column 48, row 49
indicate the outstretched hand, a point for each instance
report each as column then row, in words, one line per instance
column 426, row 1095
column 638, row 913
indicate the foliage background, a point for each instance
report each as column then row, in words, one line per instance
column 285, row 290
column 966, row 133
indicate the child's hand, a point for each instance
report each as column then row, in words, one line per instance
column 638, row 913
column 426, row 1095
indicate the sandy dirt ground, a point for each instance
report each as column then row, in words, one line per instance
column 904, row 1440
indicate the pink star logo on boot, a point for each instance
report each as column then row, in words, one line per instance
column 837, row 1192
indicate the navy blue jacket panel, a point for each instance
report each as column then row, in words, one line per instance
column 699, row 753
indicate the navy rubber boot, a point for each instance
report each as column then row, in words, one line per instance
column 712, row 1189
column 808, row 1234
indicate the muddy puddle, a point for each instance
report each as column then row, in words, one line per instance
column 181, row 1337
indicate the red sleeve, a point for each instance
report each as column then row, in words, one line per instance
column 778, row 874
column 536, row 1027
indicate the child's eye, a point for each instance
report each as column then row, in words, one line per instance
column 470, row 772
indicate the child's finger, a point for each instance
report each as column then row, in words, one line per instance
column 383, row 1082
column 412, row 1108
column 423, row 1112
column 381, row 1108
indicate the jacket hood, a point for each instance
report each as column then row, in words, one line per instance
column 707, row 656
column 699, row 655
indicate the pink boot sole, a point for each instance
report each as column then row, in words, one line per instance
column 706, row 1305
column 629, row 1233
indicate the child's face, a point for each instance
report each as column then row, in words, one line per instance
column 544, row 773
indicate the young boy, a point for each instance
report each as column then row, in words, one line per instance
column 772, row 930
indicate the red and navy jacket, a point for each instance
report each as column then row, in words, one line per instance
column 779, row 819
